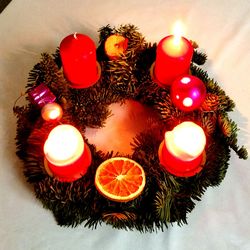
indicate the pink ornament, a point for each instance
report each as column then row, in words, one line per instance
column 188, row 93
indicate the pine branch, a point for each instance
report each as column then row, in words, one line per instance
column 199, row 57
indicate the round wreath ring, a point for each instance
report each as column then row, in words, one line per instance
column 166, row 198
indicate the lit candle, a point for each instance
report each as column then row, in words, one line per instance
column 182, row 151
column 52, row 112
column 67, row 157
column 78, row 54
column 173, row 58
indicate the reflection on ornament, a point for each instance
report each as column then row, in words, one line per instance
column 188, row 93
column 52, row 112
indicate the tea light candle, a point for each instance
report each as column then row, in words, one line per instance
column 182, row 151
column 66, row 154
column 78, row 54
column 173, row 58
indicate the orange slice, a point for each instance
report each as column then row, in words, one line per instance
column 120, row 179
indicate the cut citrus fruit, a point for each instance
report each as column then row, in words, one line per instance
column 120, row 179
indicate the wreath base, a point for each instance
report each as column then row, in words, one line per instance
column 166, row 198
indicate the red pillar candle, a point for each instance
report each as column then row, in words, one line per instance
column 67, row 157
column 173, row 58
column 78, row 55
column 182, row 151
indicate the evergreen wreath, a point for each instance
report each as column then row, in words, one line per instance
column 166, row 198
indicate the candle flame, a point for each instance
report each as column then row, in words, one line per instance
column 177, row 32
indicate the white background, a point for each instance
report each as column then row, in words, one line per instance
column 222, row 29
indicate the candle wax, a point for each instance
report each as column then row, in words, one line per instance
column 175, row 47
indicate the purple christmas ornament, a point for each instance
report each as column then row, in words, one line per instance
column 41, row 95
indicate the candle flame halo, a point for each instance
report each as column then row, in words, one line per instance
column 177, row 32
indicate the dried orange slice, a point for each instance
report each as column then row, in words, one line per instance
column 120, row 179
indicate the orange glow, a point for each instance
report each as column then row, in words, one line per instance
column 186, row 141
column 64, row 145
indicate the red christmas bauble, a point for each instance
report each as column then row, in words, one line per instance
column 188, row 93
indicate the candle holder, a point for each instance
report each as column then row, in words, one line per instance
column 166, row 198
column 77, row 169
column 179, row 167
column 153, row 76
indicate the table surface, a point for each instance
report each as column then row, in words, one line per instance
column 222, row 29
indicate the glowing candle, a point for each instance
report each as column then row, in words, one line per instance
column 182, row 151
column 52, row 112
column 78, row 54
column 173, row 57
column 67, row 157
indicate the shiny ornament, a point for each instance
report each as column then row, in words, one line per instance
column 52, row 112
column 188, row 93
column 41, row 95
